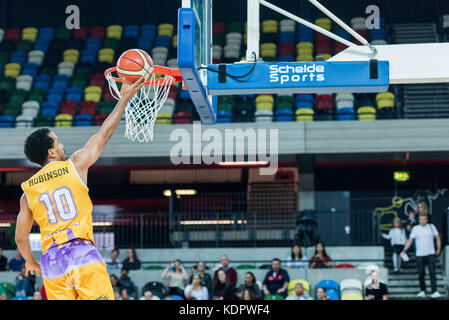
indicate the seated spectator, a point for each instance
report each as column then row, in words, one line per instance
column 230, row 271
column 196, row 290
column 223, row 289
column 16, row 263
column 177, row 278
column 276, row 280
column 131, row 262
column 248, row 294
column 128, row 284
column 3, row 261
column 300, row 294
column 321, row 294
column 376, row 290
column 24, row 284
column 119, row 292
column 37, row 295
column 3, row 293
column 249, row 284
column 206, row 279
column 296, row 259
column 169, row 297
column 148, row 295
column 113, row 264
column 320, row 259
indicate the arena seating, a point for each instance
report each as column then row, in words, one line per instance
column 52, row 72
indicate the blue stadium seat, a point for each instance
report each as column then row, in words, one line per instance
column 83, row 120
column 131, row 31
column 6, row 122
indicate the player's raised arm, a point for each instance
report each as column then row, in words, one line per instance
column 23, row 228
column 87, row 156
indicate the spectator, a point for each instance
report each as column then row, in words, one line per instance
column 248, row 294
column 16, row 263
column 3, row 261
column 206, row 279
column 120, row 293
column 300, row 294
column 127, row 283
column 230, row 271
column 43, row 293
column 169, row 297
column 376, row 290
column 423, row 207
column 424, row 235
column 24, row 285
column 37, row 295
column 113, row 264
column 177, row 278
column 276, row 280
column 296, row 259
column 3, row 293
column 196, row 290
column 249, row 284
column 321, row 294
column 223, row 289
column 320, row 259
column 397, row 238
column 131, row 262
column 411, row 220
column 148, row 295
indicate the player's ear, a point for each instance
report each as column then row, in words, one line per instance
column 52, row 153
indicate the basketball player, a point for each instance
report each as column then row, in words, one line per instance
column 57, row 198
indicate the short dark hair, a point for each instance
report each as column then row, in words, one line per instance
column 276, row 259
column 37, row 145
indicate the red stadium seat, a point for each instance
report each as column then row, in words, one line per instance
column 13, row 34
column 97, row 32
column 345, row 266
column 99, row 119
column 80, row 33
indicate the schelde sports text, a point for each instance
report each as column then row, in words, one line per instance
column 297, row 73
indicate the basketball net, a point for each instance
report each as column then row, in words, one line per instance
column 142, row 109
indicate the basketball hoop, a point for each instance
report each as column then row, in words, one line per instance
column 141, row 111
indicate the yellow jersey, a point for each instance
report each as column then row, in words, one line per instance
column 60, row 203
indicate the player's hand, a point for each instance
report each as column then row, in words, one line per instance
column 33, row 266
column 129, row 90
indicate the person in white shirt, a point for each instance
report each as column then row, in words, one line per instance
column 424, row 235
column 397, row 238
column 296, row 259
column 300, row 294
column 196, row 290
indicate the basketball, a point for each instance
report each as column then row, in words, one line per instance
column 134, row 64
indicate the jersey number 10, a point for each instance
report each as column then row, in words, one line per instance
column 66, row 211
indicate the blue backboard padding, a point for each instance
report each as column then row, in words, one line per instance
column 188, row 69
column 300, row 77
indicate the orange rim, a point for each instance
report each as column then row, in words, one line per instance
column 168, row 72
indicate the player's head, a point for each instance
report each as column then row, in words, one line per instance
column 43, row 146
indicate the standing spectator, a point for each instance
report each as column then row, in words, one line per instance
column 230, row 271
column 296, row 259
column 276, row 280
column 423, row 207
column 16, row 263
column 300, row 294
column 24, row 285
column 397, row 238
column 249, row 284
column 196, row 290
column 127, row 283
column 37, row 295
column 248, row 294
column 120, row 293
column 223, row 289
column 3, row 261
column 321, row 294
column 411, row 220
column 206, row 279
column 424, row 235
column 376, row 290
column 177, row 277
column 131, row 262
column 113, row 264
column 148, row 295
column 320, row 258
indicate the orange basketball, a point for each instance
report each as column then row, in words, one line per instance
column 134, row 64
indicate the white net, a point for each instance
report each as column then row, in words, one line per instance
column 142, row 110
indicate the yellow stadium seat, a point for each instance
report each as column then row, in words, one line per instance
column 292, row 284
column 304, row 58
column 305, row 52
column 304, row 45
column 384, row 103
column 268, row 53
column 92, row 89
column 114, row 35
column 12, row 66
column 264, row 98
column 71, row 52
column 175, row 41
column 106, row 51
column 269, row 26
column 352, row 296
column 164, row 115
column 92, row 97
column 63, row 120
column 165, row 29
column 264, row 106
column 366, row 113
column 105, row 58
column 13, row 73
column 114, row 27
column 268, row 46
column 385, row 96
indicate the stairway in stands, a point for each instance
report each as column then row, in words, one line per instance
column 422, row 100
column 405, row 284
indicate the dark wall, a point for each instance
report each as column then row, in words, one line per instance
column 39, row 13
